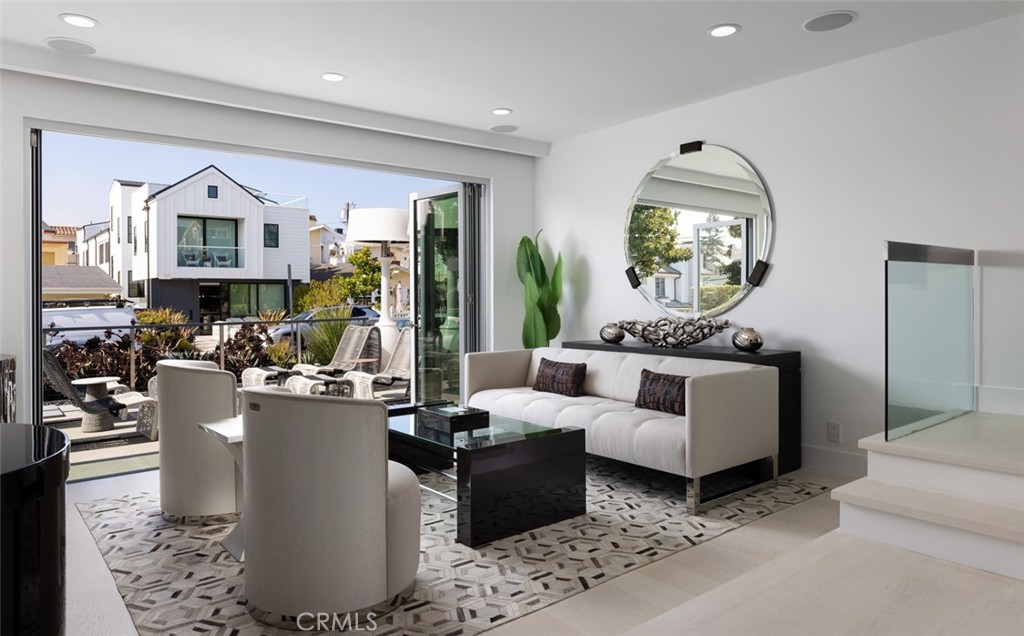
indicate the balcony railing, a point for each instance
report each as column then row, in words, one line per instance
column 284, row 200
column 199, row 256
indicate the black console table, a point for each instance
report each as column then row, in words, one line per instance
column 787, row 362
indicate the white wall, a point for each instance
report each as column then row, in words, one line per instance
column 293, row 243
column 28, row 100
column 922, row 143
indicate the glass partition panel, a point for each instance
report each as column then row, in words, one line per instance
column 929, row 336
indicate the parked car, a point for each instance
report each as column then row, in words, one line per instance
column 361, row 315
column 100, row 319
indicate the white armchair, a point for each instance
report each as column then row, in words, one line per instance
column 331, row 525
column 197, row 474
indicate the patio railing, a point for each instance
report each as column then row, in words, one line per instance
column 225, row 332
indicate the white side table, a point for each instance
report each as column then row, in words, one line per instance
column 229, row 433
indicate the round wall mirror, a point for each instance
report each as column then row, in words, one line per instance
column 699, row 231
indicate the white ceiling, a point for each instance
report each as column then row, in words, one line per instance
column 436, row 69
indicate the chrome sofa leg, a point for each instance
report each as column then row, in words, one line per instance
column 692, row 494
column 775, row 467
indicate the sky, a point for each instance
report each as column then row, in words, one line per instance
column 78, row 171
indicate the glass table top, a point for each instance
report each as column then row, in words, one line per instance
column 501, row 431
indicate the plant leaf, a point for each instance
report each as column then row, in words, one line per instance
column 523, row 259
column 556, row 281
column 552, row 321
column 534, row 331
column 531, row 294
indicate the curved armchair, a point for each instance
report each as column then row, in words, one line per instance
column 197, row 474
column 331, row 525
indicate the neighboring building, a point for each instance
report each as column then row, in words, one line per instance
column 205, row 245
column 58, row 244
column 324, row 244
column 93, row 245
column 77, row 283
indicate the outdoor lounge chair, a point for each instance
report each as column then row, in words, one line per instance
column 357, row 343
column 398, row 369
column 59, row 380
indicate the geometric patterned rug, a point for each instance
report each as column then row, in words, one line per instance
column 177, row 579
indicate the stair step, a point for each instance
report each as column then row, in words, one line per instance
column 984, row 441
column 1001, row 522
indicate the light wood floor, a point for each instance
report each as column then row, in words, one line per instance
column 632, row 599
column 95, row 607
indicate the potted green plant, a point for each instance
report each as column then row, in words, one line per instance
column 542, row 322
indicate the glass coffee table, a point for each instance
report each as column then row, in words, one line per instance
column 510, row 477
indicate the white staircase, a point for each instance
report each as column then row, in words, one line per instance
column 954, row 491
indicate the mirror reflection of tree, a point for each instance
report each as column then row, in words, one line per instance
column 653, row 240
column 713, row 249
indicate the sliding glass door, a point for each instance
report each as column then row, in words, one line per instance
column 444, row 285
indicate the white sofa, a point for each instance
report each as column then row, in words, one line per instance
column 731, row 408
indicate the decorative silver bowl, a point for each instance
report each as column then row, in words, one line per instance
column 673, row 332
column 612, row 333
column 747, row 339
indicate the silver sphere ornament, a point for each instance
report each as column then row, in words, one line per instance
column 747, row 339
column 612, row 333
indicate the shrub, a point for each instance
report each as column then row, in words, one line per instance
column 715, row 295
column 247, row 348
column 281, row 353
column 323, row 338
column 162, row 343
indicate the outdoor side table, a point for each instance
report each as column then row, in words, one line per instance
column 96, row 391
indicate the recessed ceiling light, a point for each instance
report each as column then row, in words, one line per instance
column 508, row 128
column 76, row 20
column 67, row 45
column 829, row 21
column 502, row 111
column 724, row 30
column 332, row 77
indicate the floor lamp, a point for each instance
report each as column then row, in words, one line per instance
column 382, row 226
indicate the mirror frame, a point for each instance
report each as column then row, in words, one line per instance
column 761, row 259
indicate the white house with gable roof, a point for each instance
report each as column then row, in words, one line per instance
column 206, row 245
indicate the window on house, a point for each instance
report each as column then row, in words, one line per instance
column 136, row 288
column 129, row 229
column 211, row 192
column 250, row 299
column 271, row 235
column 659, row 287
column 204, row 242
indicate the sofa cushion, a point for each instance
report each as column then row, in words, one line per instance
column 616, row 375
column 615, row 429
column 564, row 378
column 662, row 392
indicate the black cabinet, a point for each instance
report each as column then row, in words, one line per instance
column 787, row 362
column 34, row 463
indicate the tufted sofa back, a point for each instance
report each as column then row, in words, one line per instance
column 616, row 376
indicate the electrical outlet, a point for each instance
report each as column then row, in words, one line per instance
column 834, row 432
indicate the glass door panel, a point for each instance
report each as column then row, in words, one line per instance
column 444, row 281
column 436, row 293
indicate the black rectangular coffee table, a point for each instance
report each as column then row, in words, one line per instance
column 511, row 477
